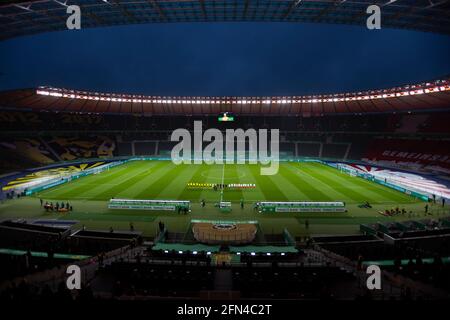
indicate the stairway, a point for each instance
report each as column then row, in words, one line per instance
column 223, row 280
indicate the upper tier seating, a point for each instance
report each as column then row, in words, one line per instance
column 82, row 147
column 429, row 154
column 32, row 121
column 29, row 148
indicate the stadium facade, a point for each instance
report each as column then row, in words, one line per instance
column 433, row 95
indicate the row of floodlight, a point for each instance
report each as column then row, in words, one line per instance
column 111, row 98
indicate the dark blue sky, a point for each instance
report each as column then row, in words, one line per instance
column 224, row 59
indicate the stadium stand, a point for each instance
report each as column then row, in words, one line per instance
column 165, row 147
column 421, row 154
column 308, row 149
column 124, row 148
column 156, row 279
column 133, row 270
column 142, row 148
column 435, row 123
column 29, row 148
column 334, row 151
column 24, row 236
column 321, row 268
column 338, row 137
column 293, row 282
column 82, row 147
column 136, row 125
column 12, row 162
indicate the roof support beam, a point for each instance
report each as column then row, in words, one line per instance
column 244, row 13
column 128, row 14
column 329, row 9
column 432, row 5
column 291, row 8
column 158, row 9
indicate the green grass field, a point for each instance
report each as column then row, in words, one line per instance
column 300, row 181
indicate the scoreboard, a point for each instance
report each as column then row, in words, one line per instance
column 226, row 117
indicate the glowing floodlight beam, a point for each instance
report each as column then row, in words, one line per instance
column 361, row 96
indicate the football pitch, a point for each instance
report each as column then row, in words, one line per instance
column 295, row 181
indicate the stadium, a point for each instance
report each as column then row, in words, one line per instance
column 88, row 178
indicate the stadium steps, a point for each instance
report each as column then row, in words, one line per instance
column 102, row 284
column 392, row 284
column 189, row 235
column 49, row 148
column 259, row 238
column 223, row 280
column 350, row 267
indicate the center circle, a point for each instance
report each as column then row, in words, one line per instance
column 224, row 226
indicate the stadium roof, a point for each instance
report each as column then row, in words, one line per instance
column 426, row 96
column 35, row 16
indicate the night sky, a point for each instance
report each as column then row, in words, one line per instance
column 242, row 59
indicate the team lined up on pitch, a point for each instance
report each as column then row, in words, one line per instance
column 219, row 186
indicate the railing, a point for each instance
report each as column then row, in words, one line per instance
column 53, row 277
